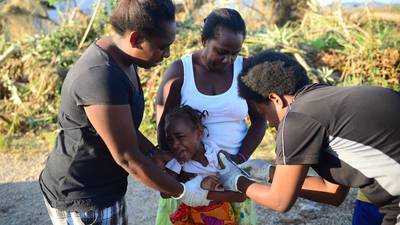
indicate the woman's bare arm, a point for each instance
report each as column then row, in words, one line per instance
column 173, row 73
column 174, row 175
column 168, row 97
column 256, row 130
column 115, row 126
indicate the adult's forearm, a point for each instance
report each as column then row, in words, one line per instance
column 282, row 193
column 115, row 126
column 261, row 194
column 149, row 174
column 319, row 190
column 253, row 137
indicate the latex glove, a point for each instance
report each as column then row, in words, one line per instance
column 193, row 194
column 229, row 176
column 258, row 169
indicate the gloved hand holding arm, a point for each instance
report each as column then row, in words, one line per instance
column 193, row 195
column 258, row 169
column 230, row 174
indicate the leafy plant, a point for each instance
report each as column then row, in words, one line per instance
column 331, row 47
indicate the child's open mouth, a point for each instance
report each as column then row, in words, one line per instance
column 182, row 155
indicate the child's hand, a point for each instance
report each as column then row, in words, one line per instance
column 211, row 183
column 161, row 157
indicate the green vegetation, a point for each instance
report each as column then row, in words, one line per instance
column 331, row 47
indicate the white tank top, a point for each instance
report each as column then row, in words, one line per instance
column 225, row 122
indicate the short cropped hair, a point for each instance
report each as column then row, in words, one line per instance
column 143, row 16
column 223, row 18
column 271, row 72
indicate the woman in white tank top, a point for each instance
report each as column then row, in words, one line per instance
column 225, row 122
column 207, row 80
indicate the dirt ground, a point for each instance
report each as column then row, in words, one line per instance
column 21, row 202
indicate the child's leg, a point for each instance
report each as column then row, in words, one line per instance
column 245, row 212
column 113, row 215
column 166, row 206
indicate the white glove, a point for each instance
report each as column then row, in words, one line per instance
column 193, row 195
column 258, row 169
column 229, row 176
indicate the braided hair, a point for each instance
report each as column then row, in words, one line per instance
column 194, row 116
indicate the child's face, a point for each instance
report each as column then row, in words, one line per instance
column 183, row 139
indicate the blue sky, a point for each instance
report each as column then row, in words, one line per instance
column 327, row 2
column 87, row 5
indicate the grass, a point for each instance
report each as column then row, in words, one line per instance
column 333, row 48
column 266, row 149
column 31, row 142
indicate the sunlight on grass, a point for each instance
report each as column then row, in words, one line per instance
column 335, row 46
column 266, row 149
column 42, row 141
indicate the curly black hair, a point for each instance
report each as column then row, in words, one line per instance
column 143, row 16
column 271, row 72
column 194, row 116
column 223, row 17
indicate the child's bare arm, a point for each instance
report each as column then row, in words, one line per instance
column 226, row 196
column 212, row 184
